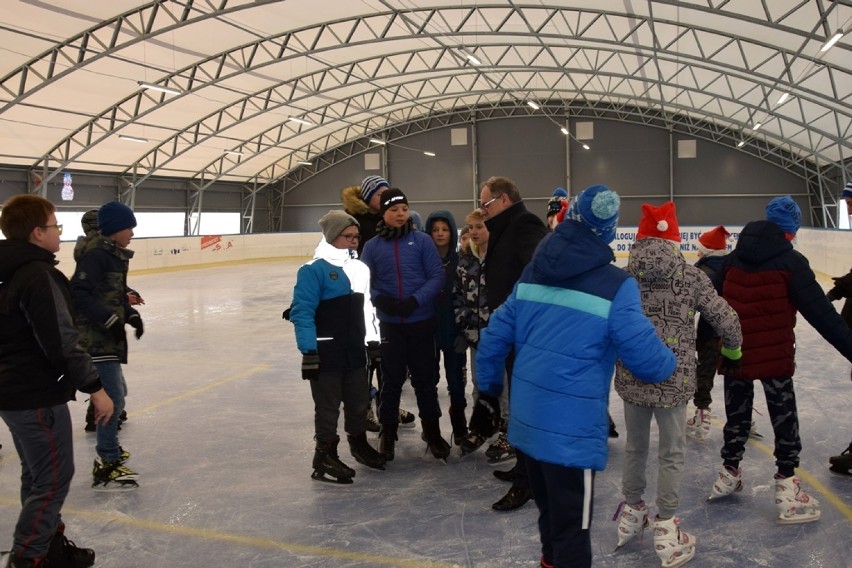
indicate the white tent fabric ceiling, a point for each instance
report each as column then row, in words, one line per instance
column 354, row 69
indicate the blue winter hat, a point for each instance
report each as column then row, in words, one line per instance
column 114, row 217
column 597, row 207
column 785, row 213
column 847, row 191
column 371, row 185
column 560, row 192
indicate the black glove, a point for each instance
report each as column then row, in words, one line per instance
column 116, row 330
column 729, row 367
column 374, row 354
column 310, row 366
column 460, row 344
column 486, row 416
column 407, row 306
column 388, row 304
column 135, row 321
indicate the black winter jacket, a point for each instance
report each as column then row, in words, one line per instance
column 41, row 361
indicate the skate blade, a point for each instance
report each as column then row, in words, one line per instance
column 317, row 476
column 503, row 458
column 680, row 560
column 837, row 471
column 798, row 519
column 755, row 435
column 408, row 425
column 115, row 486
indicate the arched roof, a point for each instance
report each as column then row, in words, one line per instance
column 259, row 86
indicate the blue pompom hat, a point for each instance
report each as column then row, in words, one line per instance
column 114, row 217
column 847, row 191
column 597, row 207
column 785, row 213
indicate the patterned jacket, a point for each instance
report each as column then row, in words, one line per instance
column 672, row 293
column 99, row 289
column 469, row 295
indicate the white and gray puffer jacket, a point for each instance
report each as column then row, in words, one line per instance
column 672, row 292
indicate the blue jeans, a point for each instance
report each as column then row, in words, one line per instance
column 42, row 437
column 112, row 380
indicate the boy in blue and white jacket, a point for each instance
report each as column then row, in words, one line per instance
column 570, row 316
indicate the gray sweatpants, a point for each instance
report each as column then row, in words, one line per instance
column 42, row 438
column 671, row 452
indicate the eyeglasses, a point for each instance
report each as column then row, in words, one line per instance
column 484, row 206
column 58, row 227
column 350, row 238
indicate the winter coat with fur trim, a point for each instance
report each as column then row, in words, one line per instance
column 673, row 293
column 350, row 197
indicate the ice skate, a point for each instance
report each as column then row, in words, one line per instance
column 406, row 419
column 472, row 442
column 632, row 520
column 728, row 482
column 674, row 546
column 328, row 467
column 459, row 424
column 64, row 552
column 387, row 440
column 794, row 504
column 842, row 464
column 435, row 443
column 372, row 424
column 113, row 476
column 753, row 433
column 698, row 427
column 364, row 453
column 500, row 450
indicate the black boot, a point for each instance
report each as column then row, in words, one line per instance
column 326, row 463
column 514, row 499
column 364, row 453
column 387, row 440
column 63, row 552
column 459, row 423
column 435, row 443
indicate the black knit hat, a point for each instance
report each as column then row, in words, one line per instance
column 391, row 197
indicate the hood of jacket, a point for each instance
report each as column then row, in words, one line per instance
column 652, row 258
column 14, row 254
column 448, row 217
column 332, row 254
column 570, row 250
column 350, row 197
column 760, row 241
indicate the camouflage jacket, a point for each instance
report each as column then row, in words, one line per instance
column 99, row 290
column 469, row 296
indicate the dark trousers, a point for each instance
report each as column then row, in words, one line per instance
column 42, row 438
column 408, row 348
column 520, row 480
column 332, row 388
column 781, row 405
column 564, row 497
column 455, row 373
column 705, row 372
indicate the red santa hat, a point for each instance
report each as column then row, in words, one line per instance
column 659, row 222
column 714, row 241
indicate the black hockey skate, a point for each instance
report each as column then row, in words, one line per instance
column 459, row 423
column 364, row 453
column 387, row 440
column 435, row 443
column 328, row 467
column 842, row 464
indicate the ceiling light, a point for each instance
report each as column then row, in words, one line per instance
column 564, row 131
column 586, row 147
column 234, row 153
column 298, row 120
column 132, row 138
column 756, row 126
column 377, row 141
column 160, row 88
column 472, row 58
column 533, row 104
column 830, row 43
column 783, row 98
column 741, row 143
column 430, row 154
column 304, row 163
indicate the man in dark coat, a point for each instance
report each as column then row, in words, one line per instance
column 842, row 463
column 514, row 233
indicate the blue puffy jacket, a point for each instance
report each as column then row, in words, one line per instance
column 570, row 316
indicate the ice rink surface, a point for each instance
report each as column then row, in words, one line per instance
column 221, row 424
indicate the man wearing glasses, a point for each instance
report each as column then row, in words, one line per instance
column 514, row 233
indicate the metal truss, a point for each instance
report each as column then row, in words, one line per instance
column 595, row 54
